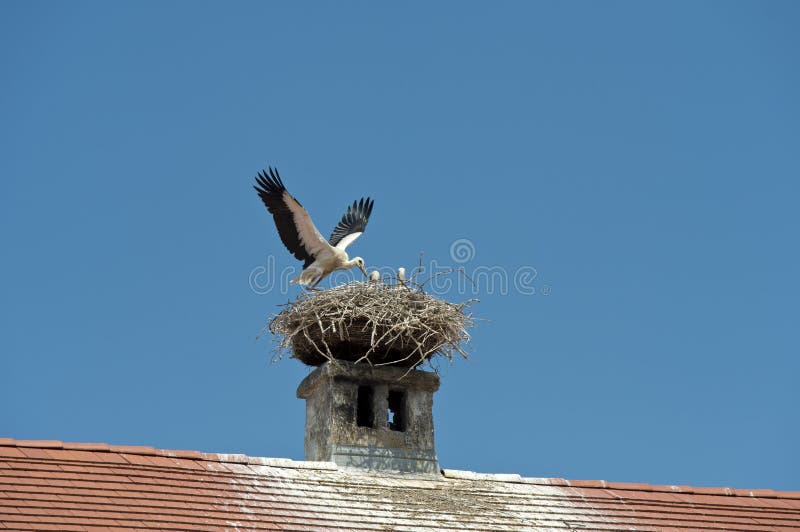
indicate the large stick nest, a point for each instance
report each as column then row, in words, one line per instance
column 385, row 322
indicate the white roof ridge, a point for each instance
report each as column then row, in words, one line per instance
column 491, row 477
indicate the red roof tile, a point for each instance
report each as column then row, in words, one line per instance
column 55, row 486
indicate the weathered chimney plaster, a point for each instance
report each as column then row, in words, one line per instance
column 332, row 430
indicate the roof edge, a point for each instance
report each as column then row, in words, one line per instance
column 168, row 453
column 630, row 486
column 447, row 473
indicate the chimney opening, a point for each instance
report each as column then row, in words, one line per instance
column 364, row 410
column 397, row 410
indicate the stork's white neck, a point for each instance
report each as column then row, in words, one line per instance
column 352, row 263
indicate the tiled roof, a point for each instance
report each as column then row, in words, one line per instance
column 49, row 485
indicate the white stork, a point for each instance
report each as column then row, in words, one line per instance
column 320, row 257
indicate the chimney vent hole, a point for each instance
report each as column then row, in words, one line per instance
column 397, row 410
column 364, row 410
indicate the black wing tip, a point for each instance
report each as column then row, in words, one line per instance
column 365, row 207
column 354, row 219
column 361, row 206
column 270, row 181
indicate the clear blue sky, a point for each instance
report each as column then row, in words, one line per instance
column 643, row 157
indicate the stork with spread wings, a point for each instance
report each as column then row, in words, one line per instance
column 300, row 236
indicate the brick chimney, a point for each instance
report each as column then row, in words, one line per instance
column 370, row 418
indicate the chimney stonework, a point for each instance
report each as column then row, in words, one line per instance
column 370, row 418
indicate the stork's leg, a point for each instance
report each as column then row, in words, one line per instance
column 312, row 286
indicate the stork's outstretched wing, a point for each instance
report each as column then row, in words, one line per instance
column 295, row 227
column 353, row 223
